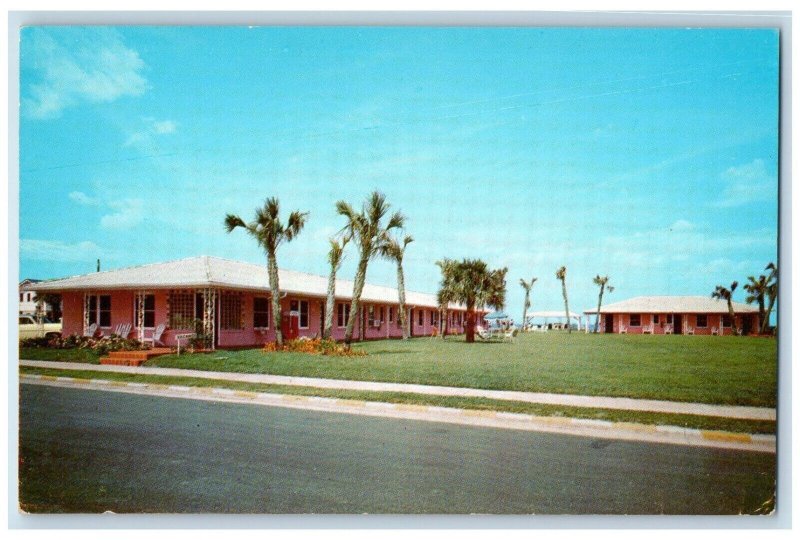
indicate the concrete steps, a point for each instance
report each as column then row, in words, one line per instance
column 133, row 358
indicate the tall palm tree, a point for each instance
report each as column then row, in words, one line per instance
column 270, row 232
column 722, row 293
column 443, row 299
column 394, row 251
column 757, row 292
column 335, row 258
column 561, row 274
column 367, row 230
column 601, row 282
column 527, row 285
column 472, row 283
column 772, row 294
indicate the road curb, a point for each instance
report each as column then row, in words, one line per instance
column 476, row 417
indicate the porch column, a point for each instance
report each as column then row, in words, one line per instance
column 86, row 296
column 140, row 298
column 209, row 308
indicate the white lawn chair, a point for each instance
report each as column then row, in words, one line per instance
column 156, row 337
column 647, row 329
column 510, row 334
column 90, row 331
column 714, row 331
column 123, row 330
column 623, row 329
column 668, row 329
column 689, row 330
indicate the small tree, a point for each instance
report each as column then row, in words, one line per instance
column 394, row 251
column 527, row 285
column 335, row 258
column 602, row 282
column 367, row 229
column 270, row 233
column 472, row 283
column 561, row 275
column 722, row 293
column 757, row 292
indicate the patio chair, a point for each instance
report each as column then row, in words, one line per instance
column 623, row 329
column 668, row 329
column 90, row 331
column 689, row 330
column 123, row 329
column 714, row 331
column 156, row 337
column 647, row 329
column 510, row 334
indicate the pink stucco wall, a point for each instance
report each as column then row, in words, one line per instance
column 122, row 311
column 714, row 320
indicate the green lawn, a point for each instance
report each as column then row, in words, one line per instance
column 60, row 355
column 708, row 369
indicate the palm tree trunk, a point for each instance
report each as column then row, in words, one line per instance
column 599, row 304
column 761, row 311
column 272, row 268
column 566, row 305
column 358, row 287
column 525, row 308
column 470, row 323
column 401, row 298
column 765, row 320
column 733, row 318
column 330, row 304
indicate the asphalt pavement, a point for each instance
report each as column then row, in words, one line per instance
column 92, row 451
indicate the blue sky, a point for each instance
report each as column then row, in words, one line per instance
column 649, row 155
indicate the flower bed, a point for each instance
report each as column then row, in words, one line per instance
column 101, row 346
column 325, row 347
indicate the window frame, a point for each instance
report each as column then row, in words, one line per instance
column 697, row 320
column 227, row 301
column 342, row 314
column 136, row 309
column 421, row 317
column 300, row 310
column 726, row 321
column 638, row 319
column 257, row 312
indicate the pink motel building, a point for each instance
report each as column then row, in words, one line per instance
column 232, row 301
column 693, row 315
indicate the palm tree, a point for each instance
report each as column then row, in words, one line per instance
column 370, row 234
column 472, row 283
column 527, row 285
column 772, row 294
column 561, row 274
column 335, row 257
column 602, row 282
column 757, row 291
column 721, row 293
column 392, row 250
column 270, row 233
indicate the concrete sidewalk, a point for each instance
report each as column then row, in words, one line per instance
column 595, row 402
column 480, row 418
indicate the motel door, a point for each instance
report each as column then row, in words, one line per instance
column 199, row 303
column 291, row 324
column 609, row 324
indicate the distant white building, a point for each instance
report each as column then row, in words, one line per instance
column 27, row 299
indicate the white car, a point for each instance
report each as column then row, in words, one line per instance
column 30, row 328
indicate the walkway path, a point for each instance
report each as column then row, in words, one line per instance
column 598, row 402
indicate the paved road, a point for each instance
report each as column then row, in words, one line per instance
column 91, row 451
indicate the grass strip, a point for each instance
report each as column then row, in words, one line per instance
column 474, row 403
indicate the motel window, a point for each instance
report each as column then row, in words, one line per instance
column 421, row 317
column 702, row 321
column 371, row 315
column 303, row 314
column 342, row 314
column 381, row 314
column 669, row 318
column 100, row 310
column 391, row 314
column 20, row 297
column 636, row 319
column 656, row 319
column 432, row 313
column 181, row 310
column 726, row 321
column 260, row 312
column 231, row 311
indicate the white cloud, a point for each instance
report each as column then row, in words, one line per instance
column 748, row 183
column 144, row 138
column 129, row 213
column 54, row 250
column 681, row 225
column 82, row 198
column 164, row 126
column 86, row 64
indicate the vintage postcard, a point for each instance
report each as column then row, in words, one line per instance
column 398, row 270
